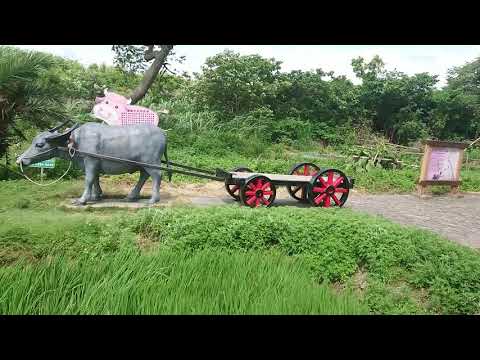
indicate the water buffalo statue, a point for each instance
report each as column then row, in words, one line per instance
column 142, row 143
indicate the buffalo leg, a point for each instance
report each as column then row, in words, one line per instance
column 157, row 180
column 90, row 176
column 97, row 190
column 135, row 193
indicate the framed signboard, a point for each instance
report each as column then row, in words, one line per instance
column 441, row 164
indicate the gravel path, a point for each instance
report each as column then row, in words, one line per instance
column 456, row 218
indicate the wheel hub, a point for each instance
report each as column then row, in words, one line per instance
column 330, row 190
column 259, row 193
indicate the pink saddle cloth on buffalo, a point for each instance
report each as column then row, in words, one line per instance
column 116, row 110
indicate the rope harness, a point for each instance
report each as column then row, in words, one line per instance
column 71, row 152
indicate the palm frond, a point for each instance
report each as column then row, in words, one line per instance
column 18, row 68
column 24, row 93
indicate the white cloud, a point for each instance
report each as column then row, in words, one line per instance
column 85, row 54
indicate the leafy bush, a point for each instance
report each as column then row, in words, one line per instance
column 336, row 244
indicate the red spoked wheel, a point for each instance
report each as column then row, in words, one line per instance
column 329, row 188
column 234, row 189
column 258, row 191
column 299, row 192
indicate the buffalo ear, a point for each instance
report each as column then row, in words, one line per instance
column 61, row 138
column 59, row 126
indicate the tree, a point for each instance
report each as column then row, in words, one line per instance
column 135, row 58
column 398, row 105
column 233, row 84
column 309, row 96
column 455, row 115
column 465, row 78
column 26, row 92
column 463, row 85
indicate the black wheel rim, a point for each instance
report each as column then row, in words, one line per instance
column 234, row 189
column 300, row 192
column 329, row 188
column 258, row 191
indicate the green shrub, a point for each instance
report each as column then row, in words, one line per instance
column 336, row 244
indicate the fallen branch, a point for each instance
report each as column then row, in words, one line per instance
column 473, row 143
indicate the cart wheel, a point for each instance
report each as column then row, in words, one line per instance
column 299, row 192
column 234, row 189
column 328, row 188
column 258, row 191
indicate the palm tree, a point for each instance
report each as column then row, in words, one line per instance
column 25, row 92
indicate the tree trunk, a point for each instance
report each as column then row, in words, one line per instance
column 3, row 130
column 152, row 72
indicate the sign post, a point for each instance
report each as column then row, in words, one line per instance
column 441, row 165
column 47, row 164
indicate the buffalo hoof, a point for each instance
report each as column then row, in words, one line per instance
column 153, row 201
column 78, row 202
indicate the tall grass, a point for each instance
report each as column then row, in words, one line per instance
column 407, row 270
column 169, row 283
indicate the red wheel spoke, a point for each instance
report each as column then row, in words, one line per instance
column 305, row 170
column 267, row 192
column 335, row 199
column 251, row 186
column 323, row 181
column 250, row 193
column 338, row 181
column 265, row 201
column 330, row 177
column 319, row 198
column 341, row 190
column 326, row 203
column 251, row 200
column 319, row 189
column 265, row 186
column 257, row 202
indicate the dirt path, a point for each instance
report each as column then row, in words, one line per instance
column 457, row 219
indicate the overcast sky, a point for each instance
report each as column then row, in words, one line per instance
column 410, row 59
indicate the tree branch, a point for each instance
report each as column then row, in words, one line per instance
column 152, row 72
column 149, row 54
column 167, row 69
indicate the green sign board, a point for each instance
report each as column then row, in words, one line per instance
column 47, row 164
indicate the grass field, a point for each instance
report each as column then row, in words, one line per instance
column 291, row 260
column 168, row 282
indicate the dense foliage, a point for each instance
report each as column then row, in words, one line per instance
column 249, row 94
column 410, row 270
column 26, row 92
